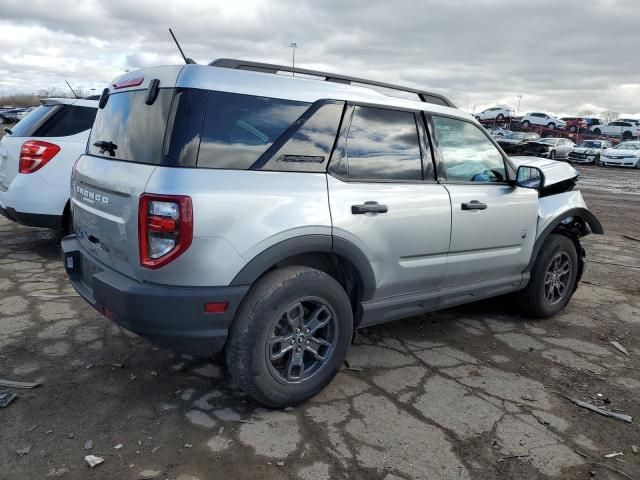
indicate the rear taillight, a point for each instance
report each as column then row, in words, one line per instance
column 35, row 154
column 165, row 224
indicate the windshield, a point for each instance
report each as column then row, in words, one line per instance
column 548, row 141
column 589, row 144
column 627, row 146
column 515, row 136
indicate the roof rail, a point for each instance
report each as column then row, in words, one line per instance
column 428, row 97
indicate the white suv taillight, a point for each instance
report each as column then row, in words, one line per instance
column 34, row 154
column 165, row 228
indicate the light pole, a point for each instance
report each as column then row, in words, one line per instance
column 519, row 98
column 293, row 45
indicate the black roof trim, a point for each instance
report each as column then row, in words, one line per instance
column 428, row 97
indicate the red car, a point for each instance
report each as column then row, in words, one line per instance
column 576, row 124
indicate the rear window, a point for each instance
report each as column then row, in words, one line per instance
column 133, row 130
column 238, row 129
column 26, row 126
column 67, row 120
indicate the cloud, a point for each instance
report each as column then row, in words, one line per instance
column 561, row 57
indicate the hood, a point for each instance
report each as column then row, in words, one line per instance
column 509, row 140
column 554, row 171
column 584, row 149
column 617, row 152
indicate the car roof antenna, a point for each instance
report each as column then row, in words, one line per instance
column 72, row 90
column 186, row 59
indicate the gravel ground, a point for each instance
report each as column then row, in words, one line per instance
column 468, row 393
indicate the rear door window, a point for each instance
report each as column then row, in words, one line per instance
column 132, row 130
column 238, row 129
column 68, row 120
column 383, row 145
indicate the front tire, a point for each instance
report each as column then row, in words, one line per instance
column 290, row 336
column 551, row 125
column 526, row 124
column 552, row 155
column 597, row 131
column 553, row 278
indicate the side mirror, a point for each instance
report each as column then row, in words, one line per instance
column 529, row 177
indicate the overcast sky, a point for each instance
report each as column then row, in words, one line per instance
column 561, row 56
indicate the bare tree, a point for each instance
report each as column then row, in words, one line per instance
column 610, row 116
column 586, row 113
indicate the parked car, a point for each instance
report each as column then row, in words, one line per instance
column 216, row 213
column 625, row 154
column 25, row 112
column 36, row 157
column 10, row 115
column 576, row 124
column 626, row 130
column 514, row 143
column 588, row 151
column 552, row 148
column 497, row 131
column 630, row 120
column 495, row 113
column 543, row 120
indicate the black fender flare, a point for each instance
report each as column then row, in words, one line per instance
column 291, row 247
column 585, row 215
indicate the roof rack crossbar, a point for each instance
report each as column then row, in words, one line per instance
column 424, row 96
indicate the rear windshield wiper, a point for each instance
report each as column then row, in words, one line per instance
column 106, row 146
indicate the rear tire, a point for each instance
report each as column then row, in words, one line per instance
column 552, row 155
column 553, row 278
column 551, row 125
column 279, row 309
column 526, row 124
column 500, row 117
column 597, row 131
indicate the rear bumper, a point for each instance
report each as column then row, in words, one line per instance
column 169, row 316
column 31, row 201
column 32, row 219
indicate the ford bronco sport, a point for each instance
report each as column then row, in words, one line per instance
column 232, row 208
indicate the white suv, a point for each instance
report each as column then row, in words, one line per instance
column 626, row 130
column 495, row 113
column 543, row 120
column 36, row 158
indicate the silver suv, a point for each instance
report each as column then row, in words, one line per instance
column 230, row 207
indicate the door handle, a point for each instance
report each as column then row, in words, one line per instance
column 474, row 205
column 369, row 207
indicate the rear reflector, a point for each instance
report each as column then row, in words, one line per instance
column 35, row 154
column 216, row 307
column 128, row 82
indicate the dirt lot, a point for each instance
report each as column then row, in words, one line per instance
column 469, row 393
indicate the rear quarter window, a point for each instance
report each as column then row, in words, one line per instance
column 66, row 121
column 238, row 129
column 29, row 124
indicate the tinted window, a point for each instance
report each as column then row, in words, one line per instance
column 26, row 126
column 383, row 145
column 468, row 154
column 238, row 129
column 68, row 120
column 135, row 129
column 184, row 127
column 309, row 147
